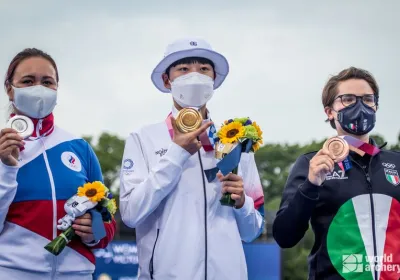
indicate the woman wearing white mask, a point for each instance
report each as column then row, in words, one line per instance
column 37, row 175
column 183, row 231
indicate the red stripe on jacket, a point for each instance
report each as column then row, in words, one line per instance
column 37, row 216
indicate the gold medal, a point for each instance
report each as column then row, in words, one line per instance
column 338, row 147
column 188, row 120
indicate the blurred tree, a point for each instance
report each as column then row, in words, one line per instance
column 378, row 139
column 396, row 147
column 109, row 150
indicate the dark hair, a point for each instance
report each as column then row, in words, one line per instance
column 26, row 53
column 331, row 88
column 190, row 60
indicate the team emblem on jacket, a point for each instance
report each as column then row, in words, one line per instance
column 127, row 166
column 392, row 176
column 71, row 161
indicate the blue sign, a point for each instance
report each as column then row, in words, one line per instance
column 119, row 261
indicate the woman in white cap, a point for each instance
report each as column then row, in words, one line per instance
column 183, row 231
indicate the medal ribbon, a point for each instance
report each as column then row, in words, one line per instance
column 42, row 127
column 345, row 165
column 207, row 140
column 364, row 147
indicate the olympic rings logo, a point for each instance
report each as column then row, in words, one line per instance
column 389, row 165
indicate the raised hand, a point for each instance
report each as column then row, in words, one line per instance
column 320, row 165
column 189, row 141
column 10, row 143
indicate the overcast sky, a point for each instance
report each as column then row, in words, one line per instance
column 280, row 53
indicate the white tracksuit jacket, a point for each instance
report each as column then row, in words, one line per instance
column 182, row 230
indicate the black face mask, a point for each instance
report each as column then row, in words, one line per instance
column 358, row 119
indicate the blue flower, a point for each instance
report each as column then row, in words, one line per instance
column 248, row 122
column 106, row 216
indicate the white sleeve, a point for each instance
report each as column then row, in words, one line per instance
column 142, row 189
column 8, row 189
column 249, row 219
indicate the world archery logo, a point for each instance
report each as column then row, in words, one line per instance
column 71, row 161
column 352, row 263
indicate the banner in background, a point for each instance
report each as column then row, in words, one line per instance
column 119, row 261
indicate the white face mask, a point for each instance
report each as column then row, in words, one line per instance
column 35, row 101
column 192, row 90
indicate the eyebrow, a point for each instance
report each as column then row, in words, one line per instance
column 28, row 76
column 33, row 77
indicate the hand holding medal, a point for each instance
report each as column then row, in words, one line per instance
column 334, row 150
column 187, row 129
column 188, row 120
column 11, row 138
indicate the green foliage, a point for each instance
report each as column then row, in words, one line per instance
column 396, row 147
column 274, row 162
column 378, row 139
column 295, row 259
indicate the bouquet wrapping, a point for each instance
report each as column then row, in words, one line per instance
column 93, row 198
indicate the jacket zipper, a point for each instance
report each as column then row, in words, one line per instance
column 371, row 198
column 151, row 265
column 205, row 216
column 53, row 197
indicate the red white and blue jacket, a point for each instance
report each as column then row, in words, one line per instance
column 32, row 197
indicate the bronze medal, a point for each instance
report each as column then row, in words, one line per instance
column 188, row 120
column 338, row 147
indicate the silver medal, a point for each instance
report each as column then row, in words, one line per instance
column 23, row 125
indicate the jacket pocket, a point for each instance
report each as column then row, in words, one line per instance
column 151, row 264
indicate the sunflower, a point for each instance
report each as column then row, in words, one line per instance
column 257, row 127
column 257, row 145
column 231, row 132
column 95, row 191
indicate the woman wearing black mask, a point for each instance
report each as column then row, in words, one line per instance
column 352, row 203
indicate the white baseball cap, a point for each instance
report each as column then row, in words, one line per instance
column 190, row 47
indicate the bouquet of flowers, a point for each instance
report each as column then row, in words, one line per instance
column 236, row 136
column 92, row 197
